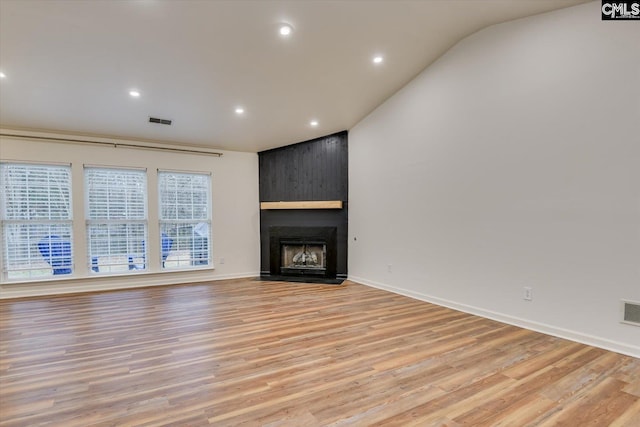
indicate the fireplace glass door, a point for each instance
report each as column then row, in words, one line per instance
column 306, row 258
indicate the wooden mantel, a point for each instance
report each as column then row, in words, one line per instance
column 316, row 204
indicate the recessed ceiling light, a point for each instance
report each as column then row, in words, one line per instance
column 239, row 110
column 2, row 75
column 134, row 93
column 378, row 59
column 313, row 123
column 285, row 30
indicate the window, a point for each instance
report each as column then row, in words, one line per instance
column 36, row 220
column 185, row 219
column 116, row 210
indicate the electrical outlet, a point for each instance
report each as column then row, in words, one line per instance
column 221, row 260
column 389, row 268
column 528, row 294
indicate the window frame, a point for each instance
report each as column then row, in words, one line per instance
column 55, row 249
column 129, row 261
column 181, row 263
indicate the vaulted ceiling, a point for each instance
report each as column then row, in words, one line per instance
column 69, row 66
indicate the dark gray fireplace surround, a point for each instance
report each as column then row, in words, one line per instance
column 315, row 170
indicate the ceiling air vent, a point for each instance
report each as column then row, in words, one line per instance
column 631, row 313
column 159, row 121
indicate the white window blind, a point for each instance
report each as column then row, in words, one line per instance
column 36, row 220
column 185, row 219
column 116, row 210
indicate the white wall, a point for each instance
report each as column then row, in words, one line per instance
column 235, row 216
column 512, row 161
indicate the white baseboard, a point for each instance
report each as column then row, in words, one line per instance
column 615, row 346
column 111, row 283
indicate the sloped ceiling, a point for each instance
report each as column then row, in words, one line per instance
column 69, row 65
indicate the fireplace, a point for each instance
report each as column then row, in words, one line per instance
column 302, row 252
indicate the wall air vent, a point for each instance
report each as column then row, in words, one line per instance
column 631, row 313
column 159, row 121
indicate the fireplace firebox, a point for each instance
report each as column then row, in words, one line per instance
column 302, row 252
column 303, row 258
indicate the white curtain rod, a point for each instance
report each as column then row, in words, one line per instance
column 140, row 146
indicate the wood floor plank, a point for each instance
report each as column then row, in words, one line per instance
column 629, row 418
column 246, row 352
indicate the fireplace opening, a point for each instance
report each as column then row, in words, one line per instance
column 302, row 252
column 303, row 258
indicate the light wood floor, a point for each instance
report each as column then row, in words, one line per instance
column 246, row 352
